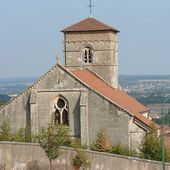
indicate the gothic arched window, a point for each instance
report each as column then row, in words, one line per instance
column 87, row 55
column 61, row 112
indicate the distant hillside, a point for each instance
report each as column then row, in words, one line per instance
column 125, row 80
column 12, row 86
column 16, row 81
column 4, row 98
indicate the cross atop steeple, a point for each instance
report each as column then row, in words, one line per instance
column 90, row 7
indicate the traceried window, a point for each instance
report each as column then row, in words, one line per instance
column 87, row 55
column 61, row 112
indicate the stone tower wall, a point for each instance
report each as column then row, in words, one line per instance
column 105, row 53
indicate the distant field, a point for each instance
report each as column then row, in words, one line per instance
column 125, row 80
column 148, row 89
column 12, row 86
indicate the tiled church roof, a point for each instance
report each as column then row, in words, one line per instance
column 116, row 96
column 89, row 24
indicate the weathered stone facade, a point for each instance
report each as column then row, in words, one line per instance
column 105, row 53
column 88, row 109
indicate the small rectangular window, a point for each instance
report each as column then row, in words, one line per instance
column 88, row 55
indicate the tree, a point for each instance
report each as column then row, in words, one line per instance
column 52, row 138
column 151, row 146
column 166, row 118
column 102, row 142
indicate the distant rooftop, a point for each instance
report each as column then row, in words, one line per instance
column 89, row 24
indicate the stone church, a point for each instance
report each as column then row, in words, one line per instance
column 84, row 92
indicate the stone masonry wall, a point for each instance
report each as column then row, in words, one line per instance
column 18, row 110
column 22, row 156
column 105, row 53
column 136, row 135
column 45, row 105
column 104, row 115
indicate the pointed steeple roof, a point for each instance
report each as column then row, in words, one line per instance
column 89, row 24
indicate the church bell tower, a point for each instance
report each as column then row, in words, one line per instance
column 90, row 44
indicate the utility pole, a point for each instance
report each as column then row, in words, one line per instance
column 162, row 127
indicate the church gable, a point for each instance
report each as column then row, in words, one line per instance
column 58, row 78
column 53, row 83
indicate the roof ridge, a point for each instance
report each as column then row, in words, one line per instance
column 43, row 77
column 89, row 24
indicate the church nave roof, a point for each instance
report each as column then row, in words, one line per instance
column 114, row 95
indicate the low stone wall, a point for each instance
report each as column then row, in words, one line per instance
column 20, row 156
column 23, row 156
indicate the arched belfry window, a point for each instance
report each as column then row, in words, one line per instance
column 61, row 111
column 87, row 55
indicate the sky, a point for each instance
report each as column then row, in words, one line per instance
column 30, row 37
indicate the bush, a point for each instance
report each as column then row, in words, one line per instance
column 102, row 142
column 76, row 162
column 80, row 159
column 76, row 144
column 122, row 150
column 5, row 131
column 151, row 146
column 19, row 136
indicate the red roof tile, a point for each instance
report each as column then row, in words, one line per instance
column 89, row 24
column 116, row 96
